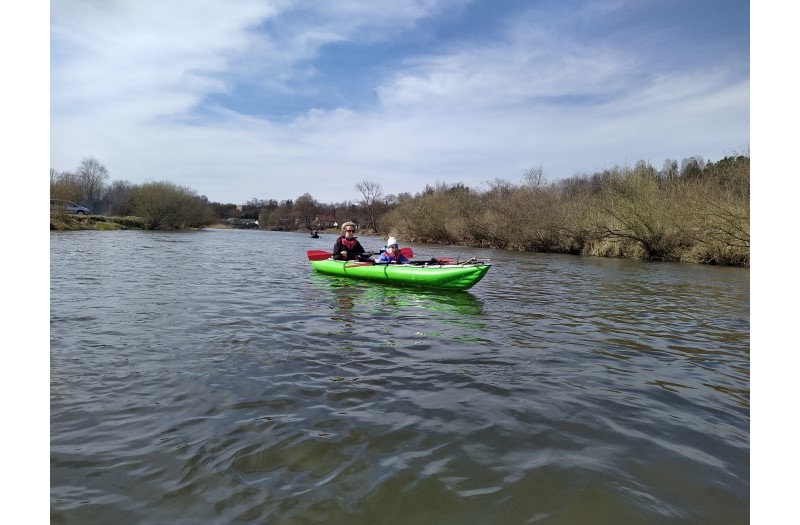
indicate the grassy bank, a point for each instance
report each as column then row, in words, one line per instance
column 65, row 222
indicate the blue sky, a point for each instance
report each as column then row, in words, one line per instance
column 275, row 98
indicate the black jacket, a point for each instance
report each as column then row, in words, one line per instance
column 354, row 250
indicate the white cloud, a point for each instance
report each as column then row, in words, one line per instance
column 128, row 80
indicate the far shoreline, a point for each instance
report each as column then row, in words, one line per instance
column 61, row 222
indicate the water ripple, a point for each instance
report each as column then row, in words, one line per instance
column 199, row 377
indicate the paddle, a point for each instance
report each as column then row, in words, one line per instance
column 321, row 255
column 318, row 255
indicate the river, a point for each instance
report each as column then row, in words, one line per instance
column 213, row 377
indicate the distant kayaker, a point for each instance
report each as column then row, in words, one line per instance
column 392, row 254
column 347, row 247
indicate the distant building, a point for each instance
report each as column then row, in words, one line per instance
column 325, row 221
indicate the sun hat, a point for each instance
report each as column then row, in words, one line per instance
column 391, row 242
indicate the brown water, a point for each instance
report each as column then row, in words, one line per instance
column 212, row 377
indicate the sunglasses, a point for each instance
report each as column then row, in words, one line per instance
column 350, row 231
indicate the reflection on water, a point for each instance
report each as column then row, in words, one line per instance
column 203, row 377
column 380, row 295
column 389, row 304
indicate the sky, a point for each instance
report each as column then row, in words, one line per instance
column 271, row 99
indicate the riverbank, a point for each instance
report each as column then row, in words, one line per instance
column 64, row 222
column 619, row 249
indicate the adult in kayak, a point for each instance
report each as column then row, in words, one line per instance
column 392, row 254
column 347, row 247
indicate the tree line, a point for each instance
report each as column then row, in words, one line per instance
column 160, row 205
column 698, row 212
column 695, row 211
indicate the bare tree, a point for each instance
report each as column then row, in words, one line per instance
column 670, row 170
column 534, row 177
column 64, row 186
column 91, row 177
column 306, row 208
column 372, row 192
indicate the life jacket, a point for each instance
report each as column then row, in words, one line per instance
column 349, row 244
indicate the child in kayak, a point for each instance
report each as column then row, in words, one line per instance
column 392, row 254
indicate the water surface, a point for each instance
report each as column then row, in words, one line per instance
column 213, row 377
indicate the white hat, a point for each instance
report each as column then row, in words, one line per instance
column 391, row 241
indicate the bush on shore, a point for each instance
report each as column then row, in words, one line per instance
column 699, row 215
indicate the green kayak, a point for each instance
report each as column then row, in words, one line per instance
column 452, row 276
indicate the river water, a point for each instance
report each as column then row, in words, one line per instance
column 213, row 377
